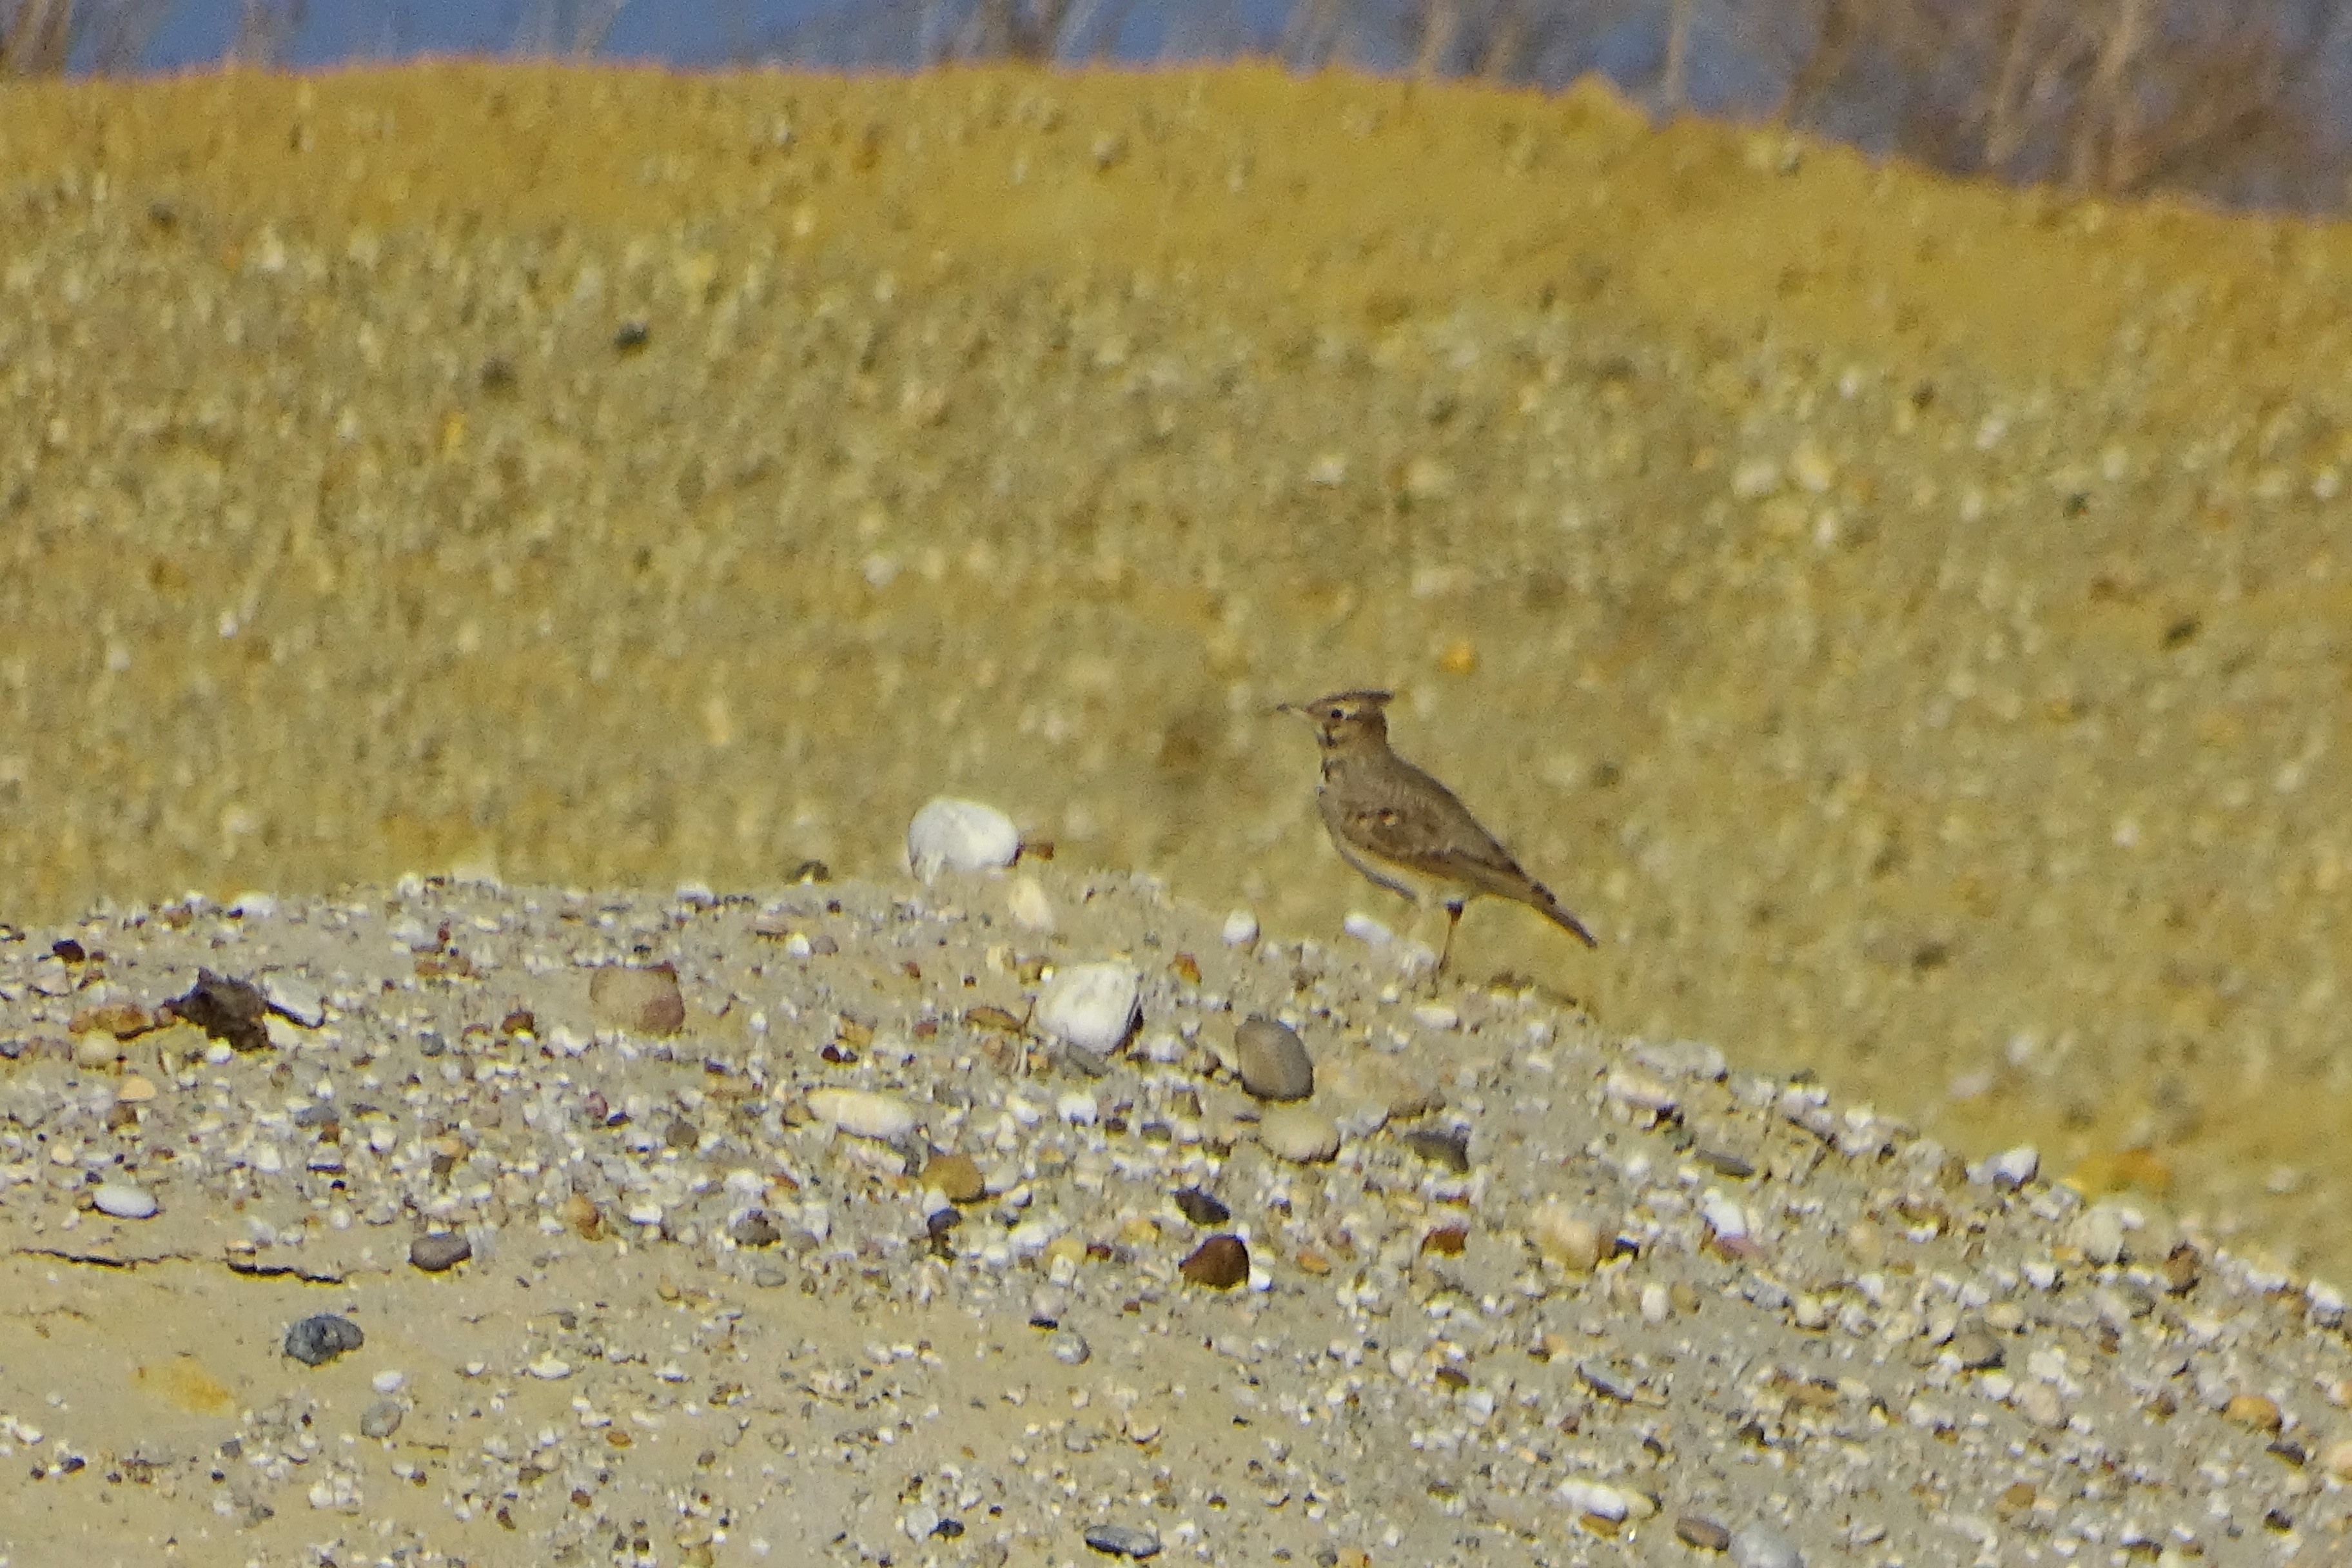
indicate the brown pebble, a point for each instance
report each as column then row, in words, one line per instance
column 2253, row 1412
column 643, row 1001
column 435, row 1253
column 582, row 1216
column 124, row 1020
column 1221, row 1263
column 1202, row 1208
column 1702, row 1534
column 957, row 1176
column 2182, row 1268
column 1446, row 1240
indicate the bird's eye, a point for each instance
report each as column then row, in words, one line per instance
column 1338, row 713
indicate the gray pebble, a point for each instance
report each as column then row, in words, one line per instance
column 1606, row 1380
column 1756, row 1547
column 1122, row 1541
column 1070, row 1347
column 316, row 1340
column 1272, row 1060
column 380, row 1420
column 435, row 1253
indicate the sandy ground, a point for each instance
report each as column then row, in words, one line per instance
column 784, row 1241
column 1906, row 620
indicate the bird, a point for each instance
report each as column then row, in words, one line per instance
column 1404, row 830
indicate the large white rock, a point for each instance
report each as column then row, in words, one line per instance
column 1091, row 1005
column 959, row 835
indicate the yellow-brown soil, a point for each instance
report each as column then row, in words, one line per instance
column 1903, row 617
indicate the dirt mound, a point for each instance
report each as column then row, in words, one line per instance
column 1903, row 619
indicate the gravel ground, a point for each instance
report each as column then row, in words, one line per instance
column 720, row 1229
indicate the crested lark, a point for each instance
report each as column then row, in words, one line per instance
column 1403, row 828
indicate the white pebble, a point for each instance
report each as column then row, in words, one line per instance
column 1077, row 1107
column 1593, row 1498
column 1240, row 929
column 297, row 996
column 1299, row 1133
column 1367, row 930
column 861, row 1114
column 388, row 1382
column 1027, row 902
column 124, row 1201
column 2011, row 1167
column 1725, row 1218
column 1091, row 1005
column 1436, row 1016
column 959, row 835
column 551, row 1368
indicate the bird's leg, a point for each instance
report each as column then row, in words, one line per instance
column 1453, row 920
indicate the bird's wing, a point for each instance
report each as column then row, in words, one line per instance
column 1427, row 829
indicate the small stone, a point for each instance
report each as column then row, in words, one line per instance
column 442, row 1250
column 863, row 1113
column 388, row 1382
column 1702, row 1534
column 96, row 1051
column 1976, row 1350
column 2039, row 1403
column 1299, row 1133
column 959, row 835
column 637, row 1001
column 2011, row 1167
column 124, row 1201
column 1757, row 1547
column 1093, row 1006
column 1272, row 1061
column 382, row 1419
column 2100, row 1234
column 1202, row 1208
column 754, row 1229
column 1240, row 929
column 2255, row 1413
column 316, row 1340
column 1069, row 1347
column 1025, row 901
column 2337, row 1458
column 134, row 1091
column 958, row 1178
column 1639, row 1092
column 296, row 998
column 1122, row 1541
column 116, row 1020
column 1221, row 1263
column 1447, row 1147
column 549, row 1368
column 1565, row 1236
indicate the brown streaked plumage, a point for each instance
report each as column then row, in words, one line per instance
column 1403, row 829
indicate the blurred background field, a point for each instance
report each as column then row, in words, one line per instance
column 1907, row 616
column 2242, row 102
